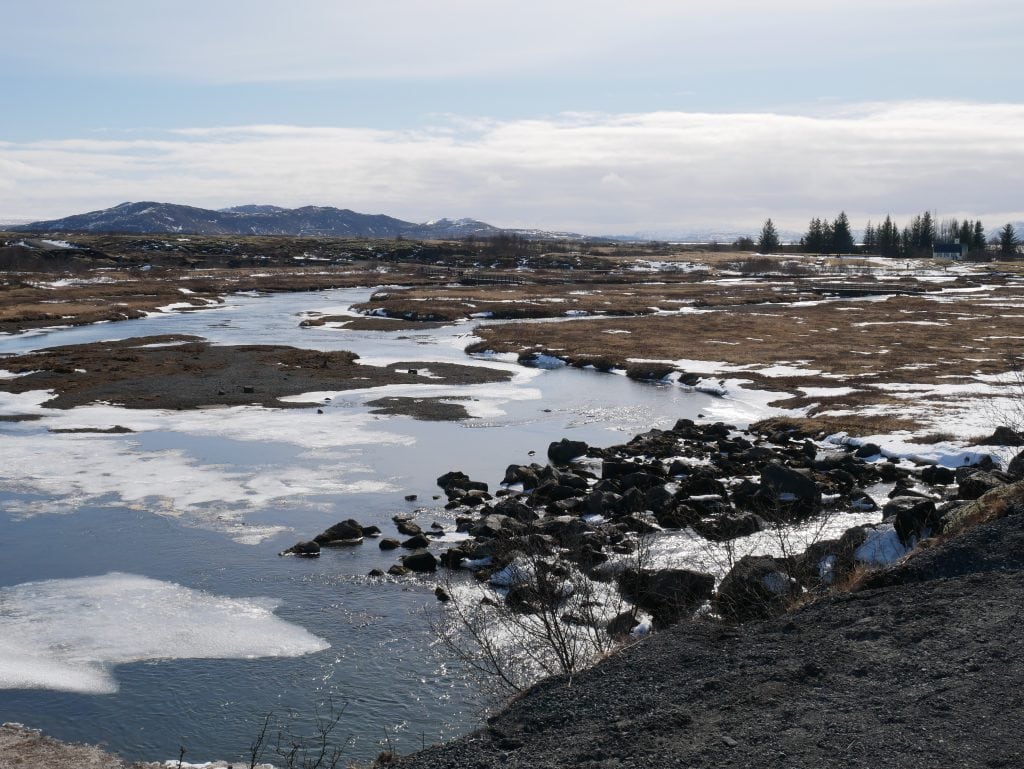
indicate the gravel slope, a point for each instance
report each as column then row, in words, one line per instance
column 925, row 670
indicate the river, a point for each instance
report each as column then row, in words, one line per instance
column 142, row 603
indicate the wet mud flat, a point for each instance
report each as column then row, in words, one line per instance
column 186, row 372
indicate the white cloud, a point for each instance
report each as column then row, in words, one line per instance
column 260, row 40
column 590, row 172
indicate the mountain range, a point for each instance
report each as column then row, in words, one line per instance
column 315, row 221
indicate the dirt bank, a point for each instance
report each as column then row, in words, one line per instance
column 924, row 672
column 184, row 372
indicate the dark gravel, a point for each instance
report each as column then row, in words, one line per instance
column 925, row 670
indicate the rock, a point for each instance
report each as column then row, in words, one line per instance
column 523, row 474
column 491, row 526
column 303, row 549
column 936, row 475
column 613, row 469
column 678, row 516
column 730, row 526
column 984, row 464
column 787, row 493
column 516, row 509
column 343, row 532
column 1004, row 436
column 620, row 625
column 441, row 594
column 912, row 517
column 375, row 573
column 416, row 542
column 389, row 544
column 1016, row 467
column 475, row 498
column 248, row 389
column 398, row 570
column 408, row 528
column 421, row 562
column 453, row 478
column 702, row 484
column 659, row 499
column 636, row 524
column 564, row 451
column 755, row 588
column 668, row 595
column 371, row 531
column 978, row 484
column 410, row 497
column 648, row 372
column 867, row 450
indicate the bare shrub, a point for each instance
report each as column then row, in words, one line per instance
column 539, row 616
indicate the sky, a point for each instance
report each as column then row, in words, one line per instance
column 648, row 117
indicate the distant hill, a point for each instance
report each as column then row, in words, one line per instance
column 318, row 221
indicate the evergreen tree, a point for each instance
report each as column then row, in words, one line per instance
column 827, row 237
column 814, row 241
column 927, row 231
column 768, row 243
column 966, row 233
column 1008, row 242
column 907, row 241
column 888, row 238
column 978, row 241
column 842, row 238
column 870, row 239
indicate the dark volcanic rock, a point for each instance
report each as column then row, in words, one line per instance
column 345, row 531
column 564, row 451
column 730, row 526
column 974, row 486
column 303, row 549
column 1004, row 436
column 788, row 493
column 669, row 595
column 937, row 475
column 422, row 562
column 912, row 516
column 416, row 542
column 756, row 587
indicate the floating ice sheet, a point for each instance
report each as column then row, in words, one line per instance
column 68, row 634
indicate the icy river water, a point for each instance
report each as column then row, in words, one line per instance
column 142, row 602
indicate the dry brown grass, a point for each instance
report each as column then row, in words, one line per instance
column 599, row 297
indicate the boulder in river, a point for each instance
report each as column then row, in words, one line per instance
column 303, row 550
column 422, row 562
column 345, row 532
column 564, row 451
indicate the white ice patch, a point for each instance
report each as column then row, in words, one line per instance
column 881, row 547
column 67, row 634
column 545, row 362
column 77, row 469
column 173, row 306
